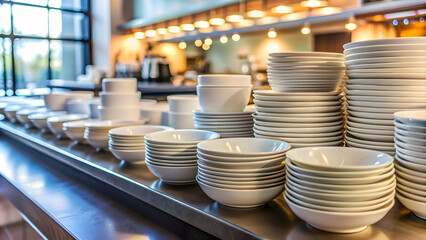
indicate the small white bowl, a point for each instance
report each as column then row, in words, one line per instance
column 55, row 123
column 412, row 191
column 112, row 99
column 411, row 165
column 243, row 198
column 119, row 113
column 339, row 222
column 416, row 117
column 173, row 175
column 98, row 143
column 180, row 120
column 243, row 147
column 339, row 158
column 409, row 127
column 224, row 80
column 216, row 99
column 58, row 101
column 22, row 115
column 419, row 208
column 183, row 103
column 180, row 137
column 129, row 156
column 119, row 85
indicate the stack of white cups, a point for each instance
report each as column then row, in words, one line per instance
column 180, row 110
column 119, row 99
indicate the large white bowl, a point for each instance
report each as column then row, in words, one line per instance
column 39, row 120
column 239, row 178
column 339, row 158
column 183, row 103
column 241, row 185
column 242, row 198
column 128, row 155
column 339, row 222
column 243, row 159
column 119, row 85
column 220, row 99
column 55, row 123
column 173, row 175
column 58, row 101
column 419, row 208
column 112, row 99
column 130, row 132
column 181, row 120
column 224, row 80
column 22, row 115
column 243, row 147
column 119, row 113
column 241, row 165
column 180, row 137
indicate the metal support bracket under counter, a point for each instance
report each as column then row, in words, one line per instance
column 189, row 204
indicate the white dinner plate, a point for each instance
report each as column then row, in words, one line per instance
column 371, row 137
column 414, row 59
column 297, row 125
column 370, row 147
column 369, row 126
column 386, row 94
column 370, row 115
column 372, row 143
column 386, row 104
column 387, row 41
column 385, row 47
column 302, row 89
column 280, row 119
column 387, row 88
column 275, row 70
column 370, row 131
column 387, row 70
column 305, row 98
column 388, row 82
column 309, row 54
column 301, row 130
column 375, row 110
column 299, row 115
column 292, row 140
column 272, row 93
column 386, row 54
column 386, row 75
column 302, row 59
column 261, row 103
column 370, row 121
column 302, row 135
column 393, row 99
column 325, row 109
column 391, row 65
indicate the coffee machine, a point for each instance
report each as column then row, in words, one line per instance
column 156, row 69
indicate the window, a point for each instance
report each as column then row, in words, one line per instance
column 40, row 40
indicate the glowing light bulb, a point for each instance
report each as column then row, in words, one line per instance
column 272, row 33
column 198, row 42
column 182, row 45
column 174, row 29
column 217, row 21
column 223, row 39
column 256, row 14
column 351, row 26
column 282, row 9
column 234, row 18
column 202, row 24
column 208, row 41
column 306, row 29
column 206, row 47
column 150, row 33
column 139, row 35
column 313, row 3
column 162, row 31
column 236, row 37
column 187, row 27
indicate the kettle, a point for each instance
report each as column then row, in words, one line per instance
column 156, row 69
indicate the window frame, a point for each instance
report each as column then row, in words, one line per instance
column 87, row 42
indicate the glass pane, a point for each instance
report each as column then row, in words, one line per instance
column 34, row 2
column 67, row 25
column 67, row 59
column 29, row 21
column 31, row 59
column 7, row 44
column 5, row 18
column 78, row 5
column 2, row 68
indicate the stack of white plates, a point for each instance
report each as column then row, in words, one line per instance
column 410, row 144
column 96, row 132
column 301, row 119
column 228, row 125
column 305, row 71
column 242, row 172
column 339, row 189
column 128, row 143
column 386, row 76
column 172, row 155
column 75, row 129
column 55, row 124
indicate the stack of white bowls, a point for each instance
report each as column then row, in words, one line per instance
column 39, row 120
column 119, row 99
column 55, row 123
column 301, row 119
column 96, row 132
column 242, row 172
column 339, row 189
column 75, row 129
column 223, row 99
column 180, row 111
column 172, row 155
column 305, row 71
column 410, row 144
column 385, row 76
column 128, row 143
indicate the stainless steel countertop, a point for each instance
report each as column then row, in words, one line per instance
column 188, row 203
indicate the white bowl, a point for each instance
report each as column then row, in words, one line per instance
column 410, row 158
column 55, row 123
column 183, row 103
column 119, row 113
column 128, row 156
column 157, row 114
column 94, row 111
column 239, row 178
column 242, row 165
column 180, row 137
column 224, row 80
column 39, row 120
column 411, row 165
column 130, row 132
column 251, row 171
column 173, row 175
column 58, row 101
column 241, row 175
column 410, row 140
column 409, row 127
column 412, row 178
column 217, row 99
column 409, row 195
column 253, row 185
column 412, row 153
column 416, row 118
column 181, row 120
column 419, row 208
column 243, row 159
column 412, row 191
column 243, row 147
column 339, row 158
column 119, row 85
column 339, row 222
column 112, row 99
column 244, row 198
column 98, row 143
column 22, row 115
column 411, row 134
column 78, row 106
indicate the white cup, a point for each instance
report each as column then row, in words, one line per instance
column 112, row 99
column 183, row 103
column 119, row 85
column 223, row 99
column 181, row 120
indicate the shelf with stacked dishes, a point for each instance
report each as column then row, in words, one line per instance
column 223, row 100
column 242, row 172
column 340, row 189
column 410, row 145
column 128, row 143
column 172, row 155
column 385, row 76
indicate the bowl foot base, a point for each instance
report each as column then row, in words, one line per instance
column 421, row 216
column 350, row 230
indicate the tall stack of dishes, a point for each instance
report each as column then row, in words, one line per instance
column 410, row 164
column 385, row 76
column 223, row 99
column 180, row 110
column 303, row 108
